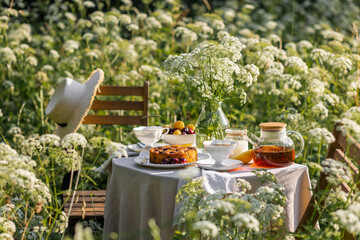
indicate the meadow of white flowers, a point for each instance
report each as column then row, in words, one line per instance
column 290, row 61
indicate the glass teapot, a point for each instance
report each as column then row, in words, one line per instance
column 274, row 148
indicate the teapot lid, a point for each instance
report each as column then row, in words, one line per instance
column 272, row 126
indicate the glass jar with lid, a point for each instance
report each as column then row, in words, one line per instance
column 239, row 136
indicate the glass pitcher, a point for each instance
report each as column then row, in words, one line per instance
column 274, row 148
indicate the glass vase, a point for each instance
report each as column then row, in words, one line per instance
column 211, row 123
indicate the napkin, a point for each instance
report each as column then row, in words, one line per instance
column 103, row 166
column 218, row 181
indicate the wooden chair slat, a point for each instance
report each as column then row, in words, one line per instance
column 89, row 192
column 341, row 140
column 112, row 120
column 117, row 105
column 86, row 199
column 88, row 214
column 340, row 156
column 346, row 150
column 97, row 207
column 117, row 90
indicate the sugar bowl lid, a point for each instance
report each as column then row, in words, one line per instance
column 272, row 126
column 236, row 132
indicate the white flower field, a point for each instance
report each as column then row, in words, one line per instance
column 292, row 61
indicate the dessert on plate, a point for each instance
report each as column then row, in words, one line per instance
column 173, row 154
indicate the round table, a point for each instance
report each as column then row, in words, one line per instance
column 138, row 193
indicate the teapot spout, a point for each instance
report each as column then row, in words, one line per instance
column 253, row 139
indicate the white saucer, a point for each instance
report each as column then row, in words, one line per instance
column 137, row 148
column 144, row 162
column 228, row 164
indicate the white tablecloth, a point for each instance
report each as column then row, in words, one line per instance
column 136, row 194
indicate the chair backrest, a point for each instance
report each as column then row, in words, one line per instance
column 120, row 105
column 345, row 149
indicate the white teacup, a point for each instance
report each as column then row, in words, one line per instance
column 219, row 150
column 150, row 135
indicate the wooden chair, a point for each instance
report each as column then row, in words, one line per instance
column 91, row 203
column 344, row 148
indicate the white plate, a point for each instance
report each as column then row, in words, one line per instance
column 140, row 161
column 228, row 164
column 137, row 148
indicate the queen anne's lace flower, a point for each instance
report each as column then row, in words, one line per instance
column 50, row 140
column 244, row 220
column 350, row 218
column 6, row 150
column 30, row 146
column 318, row 135
column 206, row 228
column 243, row 185
column 296, row 65
column 73, row 140
column 333, row 169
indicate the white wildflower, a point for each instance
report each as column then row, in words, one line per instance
column 341, row 65
column 141, row 16
column 243, row 185
column 7, row 55
column 318, row 135
column 54, row 54
column 7, row 226
column 316, row 87
column 6, row 236
column 244, row 220
column 88, row 36
column 319, row 53
column 124, row 19
column 353, row 113
column 271, row 25
column 152, row 23
column 186, row 34
column 206, row 228
column 32, row 61
column 222, row 34
column 89, row 4
column 50, row 140
column 305, row 45
column 61, row 223
column 6, row 150
column 30, row 146
column 332, row 35
column 218, row 24
column 350, row 218
column 320, row 111
column 70, row 16
column 71, row 45
column 97, row 17
column 223, row 206
column 73, row 140
column 333, row 168
column 164, row 17
column 133, row 27
column 297, row 65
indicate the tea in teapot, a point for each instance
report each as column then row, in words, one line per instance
column 274, row 148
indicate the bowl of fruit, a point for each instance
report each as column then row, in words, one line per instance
column 179, row 134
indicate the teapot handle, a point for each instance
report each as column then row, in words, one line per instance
column 289, row 133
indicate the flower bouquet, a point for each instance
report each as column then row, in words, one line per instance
column 213, row 72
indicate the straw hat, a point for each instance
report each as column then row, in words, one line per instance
column 71, row 102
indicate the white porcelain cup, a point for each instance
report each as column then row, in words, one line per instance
column 219, row 150
column 150, row 135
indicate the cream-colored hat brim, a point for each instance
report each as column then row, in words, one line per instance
column 92, row 85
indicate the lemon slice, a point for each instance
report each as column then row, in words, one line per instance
column 245, row 157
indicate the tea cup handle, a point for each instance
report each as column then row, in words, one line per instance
column 289, row 133
column 163, row 134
